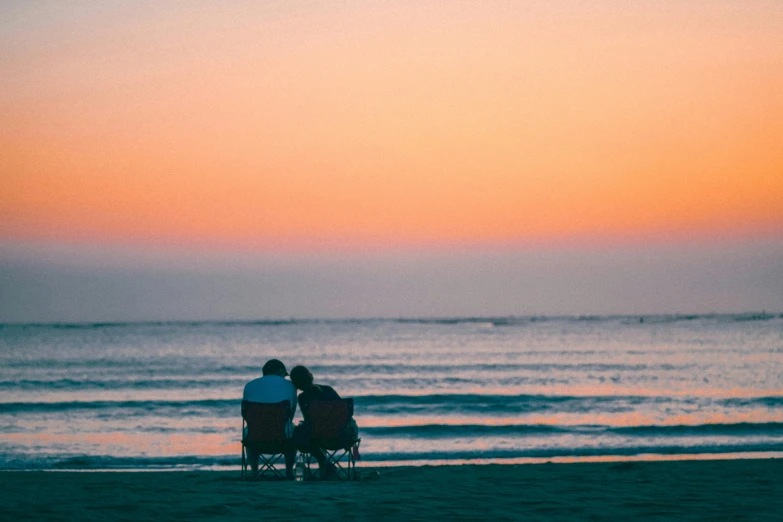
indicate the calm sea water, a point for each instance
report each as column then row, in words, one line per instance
column 168, row 394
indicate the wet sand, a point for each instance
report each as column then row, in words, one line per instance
column 697, row 490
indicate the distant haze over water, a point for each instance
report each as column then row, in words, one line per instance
column 42, row 283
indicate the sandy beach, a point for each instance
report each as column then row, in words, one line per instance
column 703, row 490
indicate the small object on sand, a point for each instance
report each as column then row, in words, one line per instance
column 374, row 475
column 299, row 469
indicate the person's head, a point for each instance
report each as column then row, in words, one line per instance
column 274, row 367
column 301, row 377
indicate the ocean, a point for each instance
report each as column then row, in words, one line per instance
column 427, row 391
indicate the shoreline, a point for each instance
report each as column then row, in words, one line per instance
column 386, row 464
column 499, row 461
column 683, row 489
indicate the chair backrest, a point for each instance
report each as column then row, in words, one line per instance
column 329, row 418
column 266, row 422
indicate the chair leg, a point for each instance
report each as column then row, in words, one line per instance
column 354, row 453
column 344, row 470
column 267, row 464
column 244, row 463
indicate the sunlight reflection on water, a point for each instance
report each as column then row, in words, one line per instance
column 173, row 390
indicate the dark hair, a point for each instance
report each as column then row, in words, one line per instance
column 273, row 367
column 301, row 377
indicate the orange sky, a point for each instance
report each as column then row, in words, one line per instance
column 390, row 123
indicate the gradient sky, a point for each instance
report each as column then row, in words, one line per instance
column 341, row 148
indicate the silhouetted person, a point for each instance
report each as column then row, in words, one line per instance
column 303, row 380
column 272, row 388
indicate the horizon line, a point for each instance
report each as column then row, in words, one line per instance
column 749, row 315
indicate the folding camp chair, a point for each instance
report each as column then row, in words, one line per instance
column 331, row 431
column 264, row 432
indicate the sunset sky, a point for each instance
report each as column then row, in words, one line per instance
column 370, row 151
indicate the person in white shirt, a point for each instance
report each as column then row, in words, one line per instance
column 273, row 387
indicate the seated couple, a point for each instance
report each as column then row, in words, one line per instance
column 273, row 387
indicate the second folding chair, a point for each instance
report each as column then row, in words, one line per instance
column 331, row 431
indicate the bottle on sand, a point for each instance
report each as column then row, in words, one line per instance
column 299, row 469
